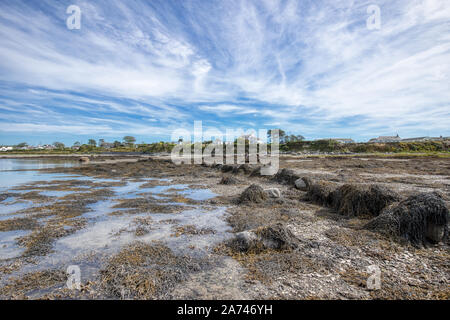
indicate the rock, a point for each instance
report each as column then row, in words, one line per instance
column 254, row 193
column 84, row 159
column 302, row 183
column 273, row 192
column 435, row 233
column 419, row 219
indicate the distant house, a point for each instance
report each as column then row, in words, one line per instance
column 343, row 141
column 385, row 139
column 418, row 139
column 423, row 139
column 107, row 145
column 3, row 149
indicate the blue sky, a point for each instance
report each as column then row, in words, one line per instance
column 146, row 68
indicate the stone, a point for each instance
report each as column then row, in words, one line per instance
column 273, row 192
column 300, row 184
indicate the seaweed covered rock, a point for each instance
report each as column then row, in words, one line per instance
column 226, row 168
column 4, row 196
column 275, row 237
column 357, row 200
column 84, row 159
column 254, row 193
column 256, row 172
column 286, row 176
column 229, row 180
column 320, row 193
column 418, row 219
column 243, row 168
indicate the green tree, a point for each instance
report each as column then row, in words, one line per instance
column 129, row 140
column 77, row 144
column 59, row 145
column 22, row 144
column 92, row 142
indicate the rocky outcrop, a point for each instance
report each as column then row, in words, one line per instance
column 419, row 219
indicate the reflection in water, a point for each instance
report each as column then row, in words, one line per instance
column 11, row 177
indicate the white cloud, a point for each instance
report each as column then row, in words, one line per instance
column 315, row 61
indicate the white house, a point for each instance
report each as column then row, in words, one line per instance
column 343, row 140
column 385, row 139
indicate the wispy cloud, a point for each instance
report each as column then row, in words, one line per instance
column 144, row 67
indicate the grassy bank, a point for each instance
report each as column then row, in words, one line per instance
column 429, row 148
column 394, row 147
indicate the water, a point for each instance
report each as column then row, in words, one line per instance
column 14, row 172
column 8, row 245
column 106, row 234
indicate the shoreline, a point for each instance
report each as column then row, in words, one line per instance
column 285, row 156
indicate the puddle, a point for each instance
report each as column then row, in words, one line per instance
column 58, row 194
column 199, row 194
column 164, row 189
column 100, row 210
column 8, row 245
column 9, row 208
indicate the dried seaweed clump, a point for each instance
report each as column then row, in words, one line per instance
column 253, row 194
column 229, row 180
column 275, row 237
column 29, row 283
column 144, row 271
column 320, row 193
column 352, row 200
column 419, row 219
